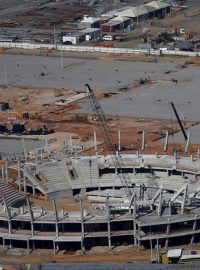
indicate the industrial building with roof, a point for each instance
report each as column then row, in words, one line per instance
column 131, row 14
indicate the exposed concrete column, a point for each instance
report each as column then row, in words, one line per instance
column 2, row 172
column 175, row 156
column 24, row 149
column 170, row 208
column 9, row 226
column 108, row 222
column 41, row 154
column 6, row 170
column 188, row 142
column 24, row 184
column 95, row 142
column 166, row 141
column 47, row 146
column 82, row 226
column 3, row 243
column 184, row 200
column 119, row 140
column 168, row 173
column 57, row 247
column 56, row 217
column 143, row 140
column 139, row 235
column 19, row 175
column 134, row 206
column 135, row 232
column 134, row 217
column 193, row 229
column 160, row 203
column 167, row 232
column 33, row 187
column 54, row 247
column 31, row 215
column 33, row 244
column 28, row 247
column 8, row 215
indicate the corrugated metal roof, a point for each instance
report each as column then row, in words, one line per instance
column 130, row 12
column 158, row 4
column 120, row 19
column 136, row 11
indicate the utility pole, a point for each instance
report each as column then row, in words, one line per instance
column 61, row 58
column 54, row 36
column 5, row 74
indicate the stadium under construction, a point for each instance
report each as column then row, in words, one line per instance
column 123, row 198
column 164, row 202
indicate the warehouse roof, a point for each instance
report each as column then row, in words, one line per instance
column 157, row 4
column 88, row 19
column 120, row 19
column 136, row 11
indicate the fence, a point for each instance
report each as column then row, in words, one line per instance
column 90, row 49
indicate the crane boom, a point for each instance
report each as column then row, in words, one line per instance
column 109, row 142
column 179, row 121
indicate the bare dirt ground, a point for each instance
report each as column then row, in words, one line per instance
column 40, row 104
column 95, row 255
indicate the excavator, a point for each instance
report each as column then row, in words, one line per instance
column 25, row 115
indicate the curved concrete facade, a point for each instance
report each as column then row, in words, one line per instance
column 164, row 208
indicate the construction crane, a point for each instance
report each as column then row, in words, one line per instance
column 110, row 143
column 179, row 121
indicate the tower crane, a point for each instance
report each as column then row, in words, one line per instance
column 110, row 143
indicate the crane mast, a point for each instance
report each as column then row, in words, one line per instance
column 110, row 142
column 179, row 121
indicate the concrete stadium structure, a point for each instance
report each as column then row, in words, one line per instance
column 164, row 206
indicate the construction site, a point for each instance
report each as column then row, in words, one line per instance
column 114, row 173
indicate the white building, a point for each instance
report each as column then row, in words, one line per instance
column 73, row 38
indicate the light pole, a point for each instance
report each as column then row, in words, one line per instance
column 5, row 74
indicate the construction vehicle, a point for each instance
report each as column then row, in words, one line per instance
column 28, row 115
column 110, row 142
